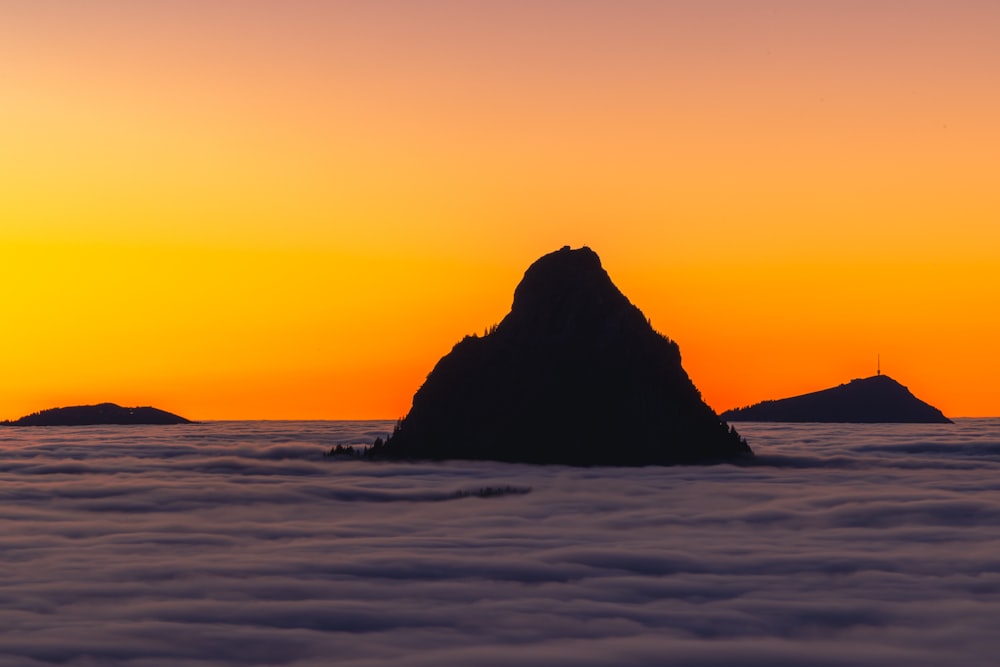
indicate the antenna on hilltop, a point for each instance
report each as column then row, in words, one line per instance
column 878, row 364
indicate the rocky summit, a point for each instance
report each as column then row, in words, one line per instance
column 574, row 374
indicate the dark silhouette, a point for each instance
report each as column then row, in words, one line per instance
column 104, row 413
column 574, row 374
column 346, row 451
column 876, row 399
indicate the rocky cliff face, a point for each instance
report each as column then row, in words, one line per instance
column 573, row 374
column 877, row 399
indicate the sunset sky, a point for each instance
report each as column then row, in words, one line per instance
column 253, row 209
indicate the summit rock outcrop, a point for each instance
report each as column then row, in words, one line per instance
column 574, row 374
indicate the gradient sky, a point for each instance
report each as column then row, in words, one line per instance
column 263, row 209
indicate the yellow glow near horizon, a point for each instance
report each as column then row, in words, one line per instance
column 292, row 210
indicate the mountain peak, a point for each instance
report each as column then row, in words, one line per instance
column 875, row 399
column 567, row 295
column 573, row 374
column 102, row 413
column 568, row 269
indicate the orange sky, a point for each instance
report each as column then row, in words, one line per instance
column 266, row 209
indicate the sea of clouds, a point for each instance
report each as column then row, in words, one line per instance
column 238, row 543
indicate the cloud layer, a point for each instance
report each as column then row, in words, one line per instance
column 235, row 543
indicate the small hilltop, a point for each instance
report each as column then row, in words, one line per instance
column 574, row 374
column 102, row 413
column 871, row 400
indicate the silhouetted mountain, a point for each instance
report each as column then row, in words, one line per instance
column 104, row 413
column 573, row 374
column 877, row 399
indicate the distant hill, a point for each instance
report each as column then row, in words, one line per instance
column 574, row 374
column 104, row 413
column 876, row 399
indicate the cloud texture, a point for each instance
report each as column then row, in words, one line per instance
column 234, row 543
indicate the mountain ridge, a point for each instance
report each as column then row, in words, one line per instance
column 877, row 399
column 99, row 414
